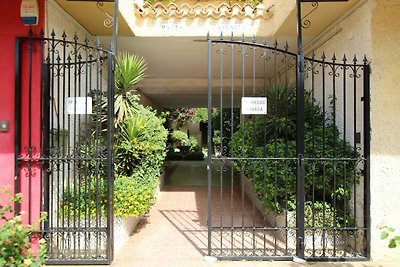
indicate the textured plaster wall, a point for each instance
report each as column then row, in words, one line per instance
column 385, row 103
column 373, row 28
column 59, row 21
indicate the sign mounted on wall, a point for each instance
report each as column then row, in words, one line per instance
column 254, row 105
column 79, row 105
column 29, row 12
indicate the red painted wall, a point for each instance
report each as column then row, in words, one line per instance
column 10, row 28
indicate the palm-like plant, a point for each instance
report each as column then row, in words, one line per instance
column 129, row 71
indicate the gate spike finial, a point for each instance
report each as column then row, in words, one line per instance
column 64, row 35
column 365, row 60
column 344, row 58
column 208, row 35
column 76, row 37
column 313, row 54
column 86, row 39
column 221, row 36
column 276, row 44
column 232, row 36
column 355, row 59
column 53, row 34
column 334, row 57
column 242, row 37
column 98, row 42
column 286, row 46
column 254, row 39
column 323, row 57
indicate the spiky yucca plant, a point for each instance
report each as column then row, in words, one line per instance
column 130, row 70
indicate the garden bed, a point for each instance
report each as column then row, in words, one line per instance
column 285, row 223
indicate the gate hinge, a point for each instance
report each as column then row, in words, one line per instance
column 113, row 64
column 300, row 63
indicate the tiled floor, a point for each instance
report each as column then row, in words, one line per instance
column 174, row 233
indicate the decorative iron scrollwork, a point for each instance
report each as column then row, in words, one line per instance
column 109, row 21
column 305, row 22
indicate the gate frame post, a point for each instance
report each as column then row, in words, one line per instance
column 300, row 138
column 367, row 148
column 209, row 144
column 110, row 134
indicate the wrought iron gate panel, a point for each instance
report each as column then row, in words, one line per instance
column 253, row 161
column 72, row 145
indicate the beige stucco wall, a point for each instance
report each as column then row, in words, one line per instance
column 373, row 28
column 385, row 110
column 59, row 21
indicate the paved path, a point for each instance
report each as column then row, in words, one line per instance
column 174, row 233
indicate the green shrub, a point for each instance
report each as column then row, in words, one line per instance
column 141, row 142
column 200, row 115
column 134, row 195
column 194, row 144
column 88, row 197
column 230, row 119
column 180, row 138
column 274, row 181
column 15, row 237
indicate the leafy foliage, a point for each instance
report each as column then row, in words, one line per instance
column 230, row 119
column 180, row 138
column 134, row 195
column 388, row 233
column 178, row 116
column 15, row 237
column 87, row 197
column 141, row 142
column 139, row 151
column 200, row 115
column 327, row 181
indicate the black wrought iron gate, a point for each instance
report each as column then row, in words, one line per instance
column 252, row 142
column 63, row 144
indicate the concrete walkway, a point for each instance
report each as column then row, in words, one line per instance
column 174, row 233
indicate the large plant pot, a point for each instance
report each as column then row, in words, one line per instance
column 288, row 219
column 123, row 229
column 184, row 149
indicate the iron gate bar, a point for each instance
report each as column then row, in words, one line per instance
column 17, row 112
column 110, row 156
column 307, row 160
column 56, row 73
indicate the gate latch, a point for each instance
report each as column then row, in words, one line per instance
column 300, row 160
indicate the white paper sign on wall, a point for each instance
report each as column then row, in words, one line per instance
column 79, row 105
column 254, row 105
